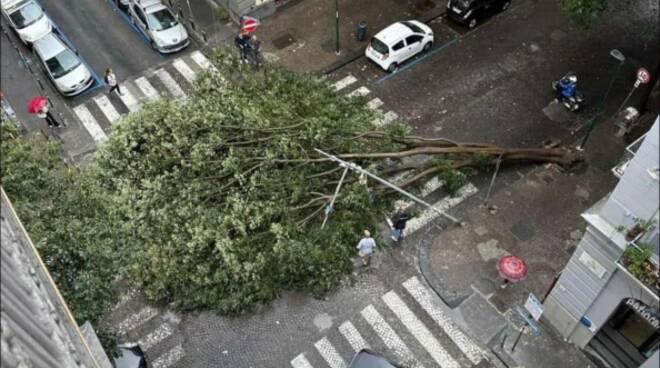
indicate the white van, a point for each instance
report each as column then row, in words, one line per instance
column 26, row 18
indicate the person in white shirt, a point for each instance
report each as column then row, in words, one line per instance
column 366, row 247
column 111, row 80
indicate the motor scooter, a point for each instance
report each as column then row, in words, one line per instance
column 567, row 93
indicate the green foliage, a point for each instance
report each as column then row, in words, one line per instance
column 453, row 179
column 481, row 160
column 584, row 13
column 636, row 260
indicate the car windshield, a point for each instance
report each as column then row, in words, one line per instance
column 62, row 63
column 379, row 46
column 26, row 15
column 462, row 4
column 412, row 27
column 161, row 20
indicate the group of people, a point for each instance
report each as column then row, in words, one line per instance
column 247, row 43
column 367, row 244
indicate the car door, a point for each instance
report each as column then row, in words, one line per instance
column 414, row 44
column 399, row 51
column 139, row 18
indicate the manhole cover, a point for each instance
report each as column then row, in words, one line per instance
column 283, row 41
column 522, row 231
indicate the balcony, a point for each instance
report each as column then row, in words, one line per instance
column 631, row 150
column 640, row 260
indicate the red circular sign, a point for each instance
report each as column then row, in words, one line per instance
column 512, row 268
column 250, row 25
column 643, row 75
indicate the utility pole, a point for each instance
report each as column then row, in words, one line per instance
column 354, row 167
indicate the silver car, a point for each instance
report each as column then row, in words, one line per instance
column 26, row 18
column 164, row 31
column 63, row 66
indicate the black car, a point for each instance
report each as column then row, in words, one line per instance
column 130, row 356
column 471, row 12
column 368, row 359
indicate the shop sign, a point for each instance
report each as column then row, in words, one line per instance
column 650, row 314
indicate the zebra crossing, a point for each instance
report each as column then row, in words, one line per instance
column 458, row 350
column 98, row 114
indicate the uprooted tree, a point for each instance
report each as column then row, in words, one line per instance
column 224, row 193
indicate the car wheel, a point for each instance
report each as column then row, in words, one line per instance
column 505, row 5
column 428, row 45
column 473, row 23
column 153, row 45
column 393, row 67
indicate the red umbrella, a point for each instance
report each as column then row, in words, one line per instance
column 249, row 24
column 37, row 104
column 512, row 268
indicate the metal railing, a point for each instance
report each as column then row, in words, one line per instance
column 631, row 151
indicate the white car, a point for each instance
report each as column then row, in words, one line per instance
column 69, row 74
column 27, row 19
column 397, row 43
column 164, row 31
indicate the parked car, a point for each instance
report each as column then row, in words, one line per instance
column 159, row 24
column 368, row 359
column 123, row 4
column 27, row 18
column 472, row 12
column 400, row 41
column 130, row 356
column 62, row 65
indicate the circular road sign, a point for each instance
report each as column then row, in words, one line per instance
column 250, row 25
column 643, row 75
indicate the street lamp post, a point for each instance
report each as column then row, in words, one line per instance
column 592, row 124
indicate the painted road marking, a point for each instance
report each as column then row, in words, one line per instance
column 389, row 117
column 136, row 320
column 429, row 187
column 184, row 69
column 375, row 103
column 158, row 335
column 128, row 99
column 353, row 336
column 169, row 358
column 147, row 89
column 419, row 331
column 329, row 353
column 344, row 82
column 103, row 102
column 125, row 298
column 170, row 83
column 202, row 61
column 443, row 205
column 423, row 296
column 389, row 337
column 300, row 362
column 361, row 92
column 90, row 123
column 414, row 62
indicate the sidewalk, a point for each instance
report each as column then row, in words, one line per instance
column 538, row 220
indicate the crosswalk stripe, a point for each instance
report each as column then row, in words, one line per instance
column 169, row 358
column 443, row 205
column 136, row 319
column 90, row 123
column 125, row 298
column 158, row 335
column 128, row 99
column 170, row 83
column 353, row 336
column 375, row 103
column 389, row 337
column 329, row 353
column 389, row 117
column 423, row 296
column 300, row 362
column 362, row 91
column 429, row 187
column 419, row 331
column 202, row 61
column 103, row 102
column 146, row 88
column 344, row 82
column 184, row 69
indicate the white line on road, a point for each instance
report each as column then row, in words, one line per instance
column 329, row 353
column 158, row 335
column 136, row 319
column 147, row 89
column 424, row 297
column 128, row 99
column 169, row 358
column 170, row 83
column 429, row 187
column 90, row 123
column 389, row 117
column 389, row 337
column 202, row 61
column 419, row 331
column 184, row 69
column 125, row 298
column 443, row 205
column 300, row 362
column 103, row 102
column 345, row 82
column 362, row 91
column 375, row 103
column 353, row 336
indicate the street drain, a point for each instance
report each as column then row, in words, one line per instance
column 283, row 41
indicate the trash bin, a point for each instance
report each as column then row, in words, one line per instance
column 361, row 31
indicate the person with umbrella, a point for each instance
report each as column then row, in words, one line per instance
column 41, row 107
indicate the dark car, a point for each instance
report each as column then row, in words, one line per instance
column 368, row 359
column 130, row 356
column 472, row 12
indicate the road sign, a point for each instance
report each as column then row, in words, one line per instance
column 249, row 24
column 643, row 75
column 536, row 329
column 534, row 306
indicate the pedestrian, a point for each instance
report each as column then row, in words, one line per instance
column 399, row 221
column 255, row 48
column 242, row 41
column 111, row 80
column 366, row 246
column 45, row 113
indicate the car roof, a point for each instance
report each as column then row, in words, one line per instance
column 49, row 46
column 10, row 4
column 151, row 5
column 393, row 33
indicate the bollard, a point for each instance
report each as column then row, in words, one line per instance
column 204, row 37
column 361, row 32
column 192, row 25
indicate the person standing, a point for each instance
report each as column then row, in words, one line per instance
column 45, row 113
column 399, row 221
column 366, row 247
column 111, row 80
column 242, row 41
